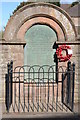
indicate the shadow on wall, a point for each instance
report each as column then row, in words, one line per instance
column 55, row 46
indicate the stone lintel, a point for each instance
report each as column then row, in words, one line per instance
column 16, row 42
column 68, row 42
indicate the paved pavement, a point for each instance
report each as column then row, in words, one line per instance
column 26, row 116
column 45, row 116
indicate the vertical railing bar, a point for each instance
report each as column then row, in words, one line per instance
column 73, row 86
column 62, row 90
column 14, row 93
column 11, row 81
column 24, row 95
column 8, row 86
column 57, row 88
column 57, row 98
column 36, row 95
column 38, row 92
column 7, row 93
column 53, row 92
column 6, row 90
column 24, row 89
column 16, row 90
column 68, row 82
column 33, row 81
column 57, row 73
column 28, row 88
column 28, row 97
column 48, row 93
column 33, row 89
column 19, row 95
column 43, row 90
column 70, row 85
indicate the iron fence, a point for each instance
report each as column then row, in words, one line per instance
column 39, row 88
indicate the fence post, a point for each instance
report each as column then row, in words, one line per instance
column 6, row 91
column 68, row 82
column 7, row 87
column 62, row 88
column 11, row 72
column 73, row 65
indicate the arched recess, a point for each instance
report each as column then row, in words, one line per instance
column 35, row 11
column 61, row 34
column 39, row 50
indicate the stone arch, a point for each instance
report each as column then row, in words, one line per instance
column 43, row 13
column 40, row 20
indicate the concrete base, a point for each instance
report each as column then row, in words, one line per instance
column 44, row 115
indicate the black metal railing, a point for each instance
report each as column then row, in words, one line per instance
column 68, row 86
column 8, row 90
column 34, row 88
